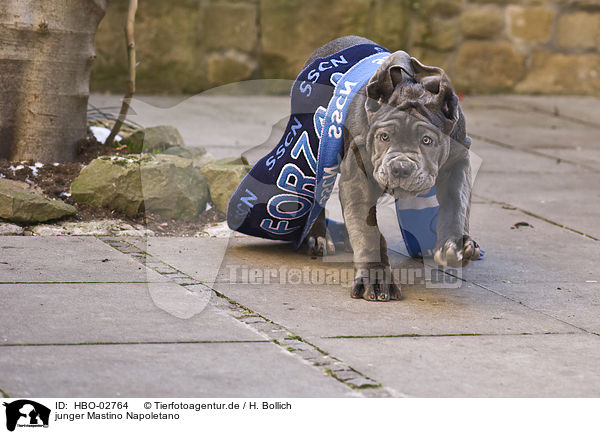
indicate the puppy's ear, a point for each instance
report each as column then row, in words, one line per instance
column 435, row 81
column 395, row 69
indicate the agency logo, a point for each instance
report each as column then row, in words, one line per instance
column 24, row 413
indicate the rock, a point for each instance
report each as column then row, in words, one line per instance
column 230, row 67
column 216, row 230
column 10, row 229
column 223, row 180
column 488, row 66
column 95, row 228
column 233, row 160
column 562, row 73
column 196, row 151
column 20, row 203
column 173, row 187
column 203, row 159
column 186, row 152
column 31, row 188
column 164, row 184
column 228, row 26
column 587, row 34
column 483, row 23
column 179, row 151
column 154, row 139
column 111, row 182
column 531, row 23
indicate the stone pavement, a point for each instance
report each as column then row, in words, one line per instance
column 127, row 316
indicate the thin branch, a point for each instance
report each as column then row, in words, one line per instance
column 100, row 5
column 129, row 36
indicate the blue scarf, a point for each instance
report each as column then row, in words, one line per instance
column 285, row 191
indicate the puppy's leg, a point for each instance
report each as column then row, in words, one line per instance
column 319, row 241
column 358, row 196
column 454, row 246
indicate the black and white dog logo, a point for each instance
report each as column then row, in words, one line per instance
column 26, row 413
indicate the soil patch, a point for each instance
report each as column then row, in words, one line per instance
column 55, row 181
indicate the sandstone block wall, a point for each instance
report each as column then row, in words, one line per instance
column 486, row 46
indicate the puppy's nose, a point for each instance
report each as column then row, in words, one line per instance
column 401, row 169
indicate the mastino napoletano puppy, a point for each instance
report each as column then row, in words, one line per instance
column 405, row 133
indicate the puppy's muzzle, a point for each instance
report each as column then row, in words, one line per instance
column 399, row 169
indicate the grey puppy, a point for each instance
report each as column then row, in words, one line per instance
column 405, row 133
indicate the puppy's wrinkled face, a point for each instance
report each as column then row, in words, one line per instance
column 412, row 112
column 407, row 150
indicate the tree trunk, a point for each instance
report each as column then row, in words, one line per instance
column 46, row 55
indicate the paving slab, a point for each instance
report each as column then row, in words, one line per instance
column 539, row 253
column 497, row 159
column 67, row 259
column 579, row 108
column 574, row 302
column 89, row 313
column 571, row 199
column 543, row 266
column 198, row 257
column 562, row 193
column 535, row 131
column 478, row 366
column 162, row 370
column 311, row 309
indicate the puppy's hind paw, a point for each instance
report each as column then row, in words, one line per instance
column 320, row 246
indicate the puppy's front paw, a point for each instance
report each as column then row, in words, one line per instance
column 457, row 252
column 375, row 284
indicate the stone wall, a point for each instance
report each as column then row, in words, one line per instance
column 486, row 46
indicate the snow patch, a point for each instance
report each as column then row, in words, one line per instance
column 101, row 134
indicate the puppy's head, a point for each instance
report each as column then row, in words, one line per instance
column 413, row 117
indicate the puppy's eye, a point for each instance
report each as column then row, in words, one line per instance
column 384, row 137
column 426, row 140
